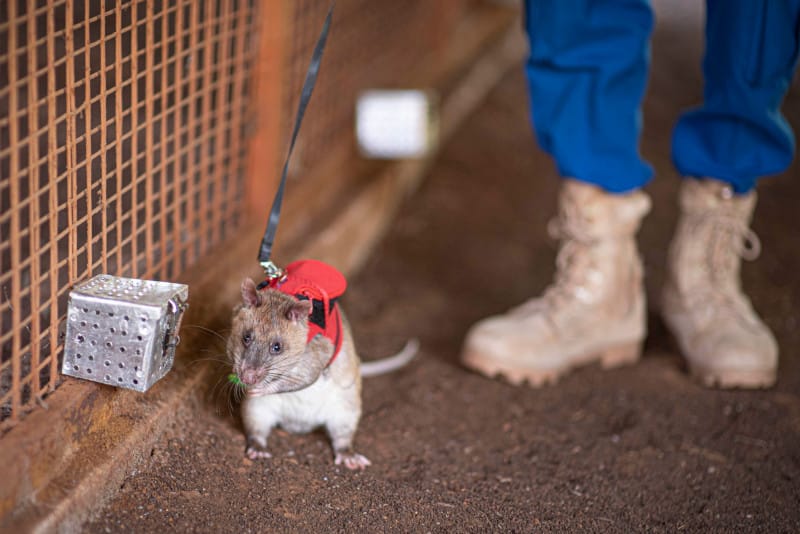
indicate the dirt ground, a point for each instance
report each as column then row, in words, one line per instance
column 641, row 448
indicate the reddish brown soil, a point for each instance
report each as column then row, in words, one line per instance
column 640, row 448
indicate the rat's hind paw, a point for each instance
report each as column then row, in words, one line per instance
column 254, row 453
column 352, row 460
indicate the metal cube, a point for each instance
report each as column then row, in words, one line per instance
column 123, row 331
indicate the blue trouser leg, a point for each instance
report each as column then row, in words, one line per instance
column 587, row 73
column 739, row 134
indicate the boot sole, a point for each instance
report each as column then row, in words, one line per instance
column 734, row 378
column 719, row 378
column 609, row 358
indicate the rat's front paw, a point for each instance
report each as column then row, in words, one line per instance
column 254, row 452
column 352, row 460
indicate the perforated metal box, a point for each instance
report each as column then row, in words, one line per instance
column 123, row 331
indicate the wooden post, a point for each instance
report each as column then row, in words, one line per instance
column 265, row 97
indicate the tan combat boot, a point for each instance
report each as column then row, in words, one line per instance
column 595, row 310
column 722, row 338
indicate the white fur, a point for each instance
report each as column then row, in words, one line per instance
column 333, row 401
column 323, row 403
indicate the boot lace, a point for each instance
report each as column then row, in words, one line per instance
column 572, row 266
column 730, row 239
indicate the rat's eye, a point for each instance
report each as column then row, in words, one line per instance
column 276, row 347
column 247, row 338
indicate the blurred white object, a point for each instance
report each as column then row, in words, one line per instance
column 394, row 124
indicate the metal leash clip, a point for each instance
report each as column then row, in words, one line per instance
column 123, row 331
column 271, row 270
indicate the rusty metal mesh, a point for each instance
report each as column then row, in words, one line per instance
column 122, row 147
column 122, row 137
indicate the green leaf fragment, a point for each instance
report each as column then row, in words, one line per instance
column 234, row 378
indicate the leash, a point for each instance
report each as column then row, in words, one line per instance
column 265, row 251
column 306, row 279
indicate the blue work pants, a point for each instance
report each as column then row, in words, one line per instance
column 587, row 73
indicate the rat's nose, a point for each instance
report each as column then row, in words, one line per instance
column 251, row 377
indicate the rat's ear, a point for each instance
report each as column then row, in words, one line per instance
column 250, row 295
column 299, row 311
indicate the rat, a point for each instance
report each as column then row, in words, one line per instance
column 296, row 383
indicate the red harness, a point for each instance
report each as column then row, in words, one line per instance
column 321, row 284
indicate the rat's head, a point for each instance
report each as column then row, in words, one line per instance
column 268, row 340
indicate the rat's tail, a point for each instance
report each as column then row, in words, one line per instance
column 392, row 363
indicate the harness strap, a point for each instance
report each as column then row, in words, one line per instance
column 322, row 285
column 331, row 326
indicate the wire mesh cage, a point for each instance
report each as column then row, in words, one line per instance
column 126, row 130
column 122, row 150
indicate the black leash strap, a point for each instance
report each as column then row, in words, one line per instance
column 305, row 96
